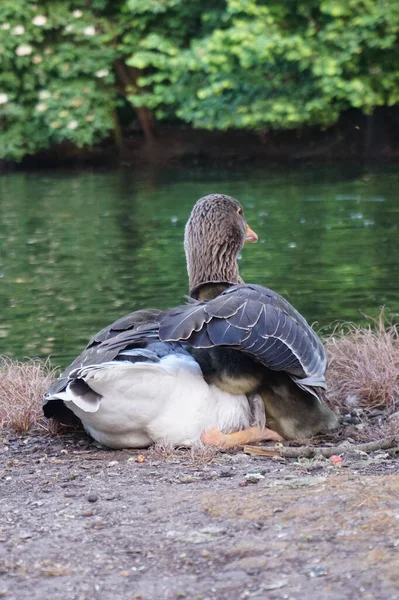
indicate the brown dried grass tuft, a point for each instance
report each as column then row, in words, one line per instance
column 22, row 386
column 197, row 455
column 364, row 366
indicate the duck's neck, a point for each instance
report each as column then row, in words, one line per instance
column 211, row 270
column 208, row 291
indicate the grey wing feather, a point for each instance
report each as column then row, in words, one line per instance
column 129, row 322
column 224, row 333
column 257, row 321
column 249, row 318
column 107, row 344
column 180, row 323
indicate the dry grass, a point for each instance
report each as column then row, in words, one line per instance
column 364, row 366
column 197, row 455
column 21, row 388
column 362, row 378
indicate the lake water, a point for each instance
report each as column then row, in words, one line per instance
column 80, row 249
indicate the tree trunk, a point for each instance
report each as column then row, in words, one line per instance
column 128, row 77
column 118, row 136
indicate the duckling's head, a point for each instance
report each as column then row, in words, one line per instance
column 215, row 234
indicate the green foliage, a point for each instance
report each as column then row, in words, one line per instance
column 276, row 64
column 56, row 79
column 67, row 65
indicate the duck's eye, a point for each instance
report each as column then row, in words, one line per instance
column 239, row 211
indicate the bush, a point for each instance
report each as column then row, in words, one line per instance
column 257, row 64
column 56, row 80
column 69, row 66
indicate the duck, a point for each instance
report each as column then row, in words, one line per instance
column 236, row 364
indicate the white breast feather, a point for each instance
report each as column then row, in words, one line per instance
column 147, row 402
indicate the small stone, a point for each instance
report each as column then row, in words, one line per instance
column 279, row 459
column 249, row 564
column 251, row 479
column 318, row 571
column 206, row 534
column 226, row 474
column 187, row 479
column 140, row 458
column 275, row 584
column 113, row 463
column 97, row 523
column 394, row 417
column 254, row 477
column 133, row 550
column 124, row 573
column 92, row 497
column 36, row 503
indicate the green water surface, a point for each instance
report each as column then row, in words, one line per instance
column 80, row 249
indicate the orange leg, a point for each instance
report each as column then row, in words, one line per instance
column 214, row 437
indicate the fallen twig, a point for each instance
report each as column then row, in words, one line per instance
column 308, row 451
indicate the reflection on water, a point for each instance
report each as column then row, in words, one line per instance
column 78, row 250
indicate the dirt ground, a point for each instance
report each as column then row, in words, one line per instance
column 80, row 522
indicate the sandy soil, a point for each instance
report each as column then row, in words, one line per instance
column 80, row 522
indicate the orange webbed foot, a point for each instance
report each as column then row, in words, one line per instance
column 215, row 437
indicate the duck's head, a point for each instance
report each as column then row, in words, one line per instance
column 214, row 236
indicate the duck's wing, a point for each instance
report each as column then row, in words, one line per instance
column 130, row 322
column 134, row 329
column 257, row 321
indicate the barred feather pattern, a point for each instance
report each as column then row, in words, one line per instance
column 248, row 318
column 257, row 321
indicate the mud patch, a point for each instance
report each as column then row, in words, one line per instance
column 78, row 521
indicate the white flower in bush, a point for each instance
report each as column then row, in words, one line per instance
column 3, row 98
column 89, row 30
column 72, row 125
column 37, row 59
column 23, row 50
column 5, row 26
column 76, row 102
column 41, row 107
column 68, row 28
column 77, row 14
column 44, row 94
column 18, row 30
column 102, row 73
column 90, row 118
column 39, row 20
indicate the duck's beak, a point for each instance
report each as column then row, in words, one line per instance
column 251, row 235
